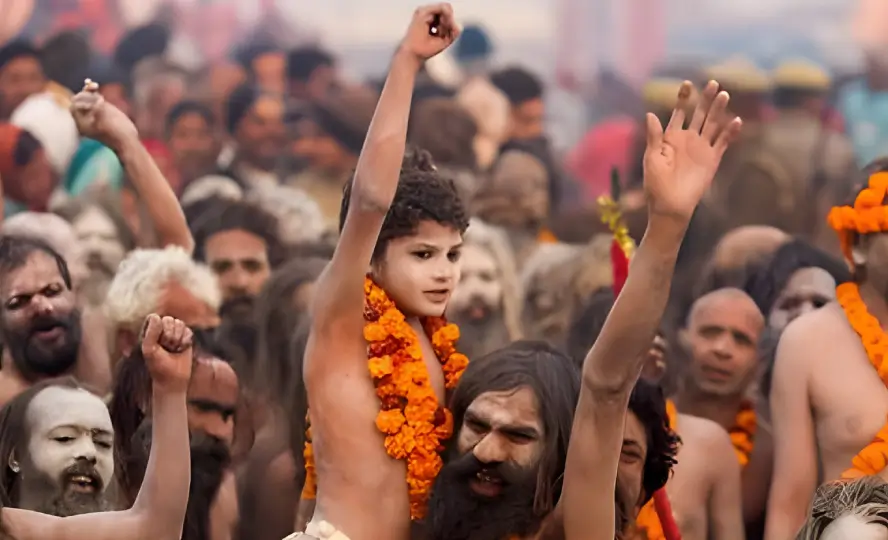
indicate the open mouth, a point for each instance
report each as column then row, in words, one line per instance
column 50, row 333
column 716, row 374
column 486, row 485
column 82, row 483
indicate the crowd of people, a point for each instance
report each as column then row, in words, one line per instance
column 262, row 302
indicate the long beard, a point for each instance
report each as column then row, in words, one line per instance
column 458, row 513
column 63, row 501
column 479, row 336
column 36, row 360
column 210, row 458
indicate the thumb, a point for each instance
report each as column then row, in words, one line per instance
column 151, row 334
column 654, row 131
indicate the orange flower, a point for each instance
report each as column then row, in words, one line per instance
column 874, row 458
column 410, row 416
column 743, row 432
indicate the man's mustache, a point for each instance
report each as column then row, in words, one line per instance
column 42, row 323
column 468, row 466
column 83, row 467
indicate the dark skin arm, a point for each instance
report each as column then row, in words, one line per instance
column 159, row 510
column 105, row 123
column 678, row 166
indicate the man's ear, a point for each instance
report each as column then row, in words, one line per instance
column 13, row 464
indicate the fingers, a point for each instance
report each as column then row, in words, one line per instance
column 90, row 86
column 175, row 336
column 654, row 130
column 703, row 106
column 728, row 135
column 681, row 106
column 151, row 333
column 716, row 118
column 440, row 19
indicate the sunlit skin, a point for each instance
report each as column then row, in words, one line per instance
column 240, row 261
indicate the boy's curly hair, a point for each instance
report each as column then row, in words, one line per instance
column 423, row 195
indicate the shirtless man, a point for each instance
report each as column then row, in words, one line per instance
column 704, row 488
column 412, row 251
column 159, row 510
column 827, row 400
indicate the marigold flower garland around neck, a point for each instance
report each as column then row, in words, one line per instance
column 868, row 215
column 415, row 425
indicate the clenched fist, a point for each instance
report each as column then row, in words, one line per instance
column 432, row 30
column 100, row 120
column 167, row 349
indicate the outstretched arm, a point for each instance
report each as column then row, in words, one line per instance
column 378, row 171
column 104, row 122
column 159, row 510
column 678, row 168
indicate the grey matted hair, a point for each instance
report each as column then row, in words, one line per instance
column 865, row 498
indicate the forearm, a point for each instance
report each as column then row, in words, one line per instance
column 156, row 194
column 617, row 356
column 163, row 496
column 379, row 166
column 787, row 509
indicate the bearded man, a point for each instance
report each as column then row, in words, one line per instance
column 56, row 445
column 486, row 305
column 240, row 244
column 159, row 509
column 40, row 323
column 819, row 425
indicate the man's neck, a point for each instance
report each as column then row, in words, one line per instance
column 875, row 303
column 720, row 409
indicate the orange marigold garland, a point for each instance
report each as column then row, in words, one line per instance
column 743, row 432
column 874, row 458
column 868, row 215
column 415, row 425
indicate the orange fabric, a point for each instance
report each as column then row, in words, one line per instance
column 9, row 138
column 546, row 237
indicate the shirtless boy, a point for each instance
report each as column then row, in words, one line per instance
column 405, row 227
column 417, row 267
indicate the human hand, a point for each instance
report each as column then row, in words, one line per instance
column 100, row 120
column 167, row 349
column 680, row 163
column 432, row 30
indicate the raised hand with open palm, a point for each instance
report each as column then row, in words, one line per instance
column 680, row 162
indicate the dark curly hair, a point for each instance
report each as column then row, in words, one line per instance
column 423, row 195
column 237, row 215
column 648, row 404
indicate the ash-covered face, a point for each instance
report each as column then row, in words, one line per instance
column 100, row 242
column 851, row 527
column 419, row 272
column 549, row 302
column 69, row 461
column 808, row 289
column 487, row 491
column 480, row 290
column 41, row 325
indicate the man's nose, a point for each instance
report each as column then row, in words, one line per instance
column 86, row 450
column 42, row 305
column 490, row 449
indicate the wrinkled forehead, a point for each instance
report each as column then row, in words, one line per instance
column 514, row 408
column 851, row 527
column 57, row 406
column 213, row 380
column 40, row 270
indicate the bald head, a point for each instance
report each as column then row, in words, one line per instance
column 747, row 245
column 728, row 298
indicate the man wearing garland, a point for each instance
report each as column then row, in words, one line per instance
column 820, row 424
column 406, row 228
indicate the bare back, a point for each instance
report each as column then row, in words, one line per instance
column 827, row 404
